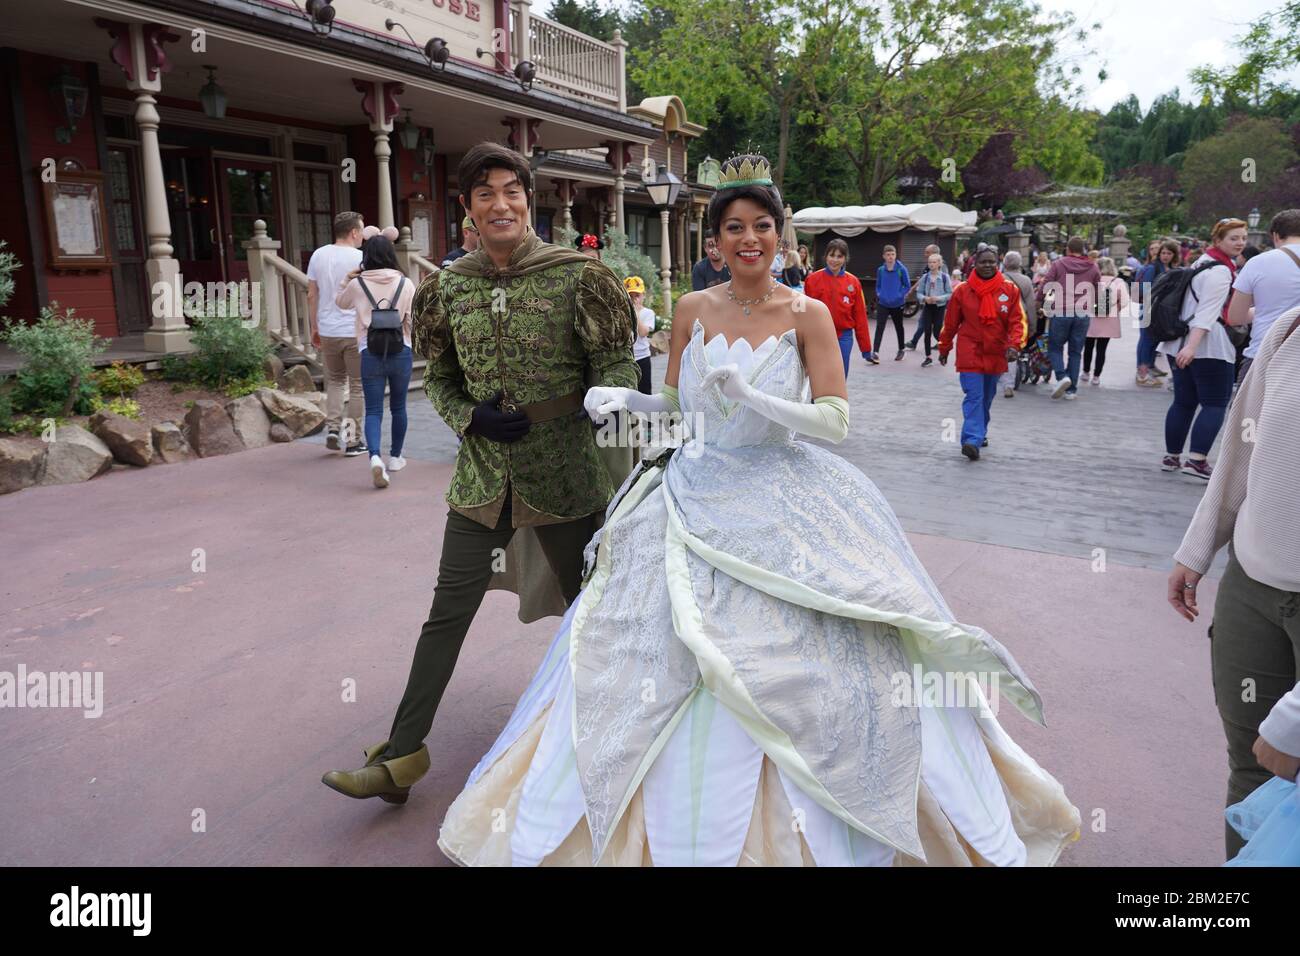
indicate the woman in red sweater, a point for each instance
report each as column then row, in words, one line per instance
column 841, row 291
column 988, row 320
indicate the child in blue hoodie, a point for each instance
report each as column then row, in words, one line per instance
column 892, row 285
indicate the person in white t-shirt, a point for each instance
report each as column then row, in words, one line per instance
column 333, row 332
column 1269, row 284
column 645, row 325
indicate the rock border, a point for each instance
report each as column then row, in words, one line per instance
column 209, row 428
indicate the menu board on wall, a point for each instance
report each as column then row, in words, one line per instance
column 466, row 25
column 419, row 215
column 75, row 218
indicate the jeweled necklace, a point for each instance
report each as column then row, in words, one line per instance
column 746, row 303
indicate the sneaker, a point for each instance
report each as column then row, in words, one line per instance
column 928, row 362
column 354, row 450
column 1061, row 388
column 1197, row 468
column 1008, row 392
column 1096, row 380
column 332, row 439
column 1170, row 463
column 911, row 346
column 396, row 462
column 1071, row 396
column 1083, row 376
column 377, row 472
column 1151, row 382
column 1158, row 372
column 875, row 358
column 984, row 443
column 899, row 356
column 971, row 452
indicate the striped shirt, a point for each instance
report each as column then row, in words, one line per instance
column 1251, row 498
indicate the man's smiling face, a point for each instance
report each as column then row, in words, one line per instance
column 499, row 208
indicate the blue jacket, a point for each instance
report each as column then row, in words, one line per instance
column 942, row 290
column 892, row 285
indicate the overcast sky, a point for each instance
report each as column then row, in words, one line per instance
column 1148, row 46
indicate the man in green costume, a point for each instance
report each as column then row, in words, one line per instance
column 513, row 333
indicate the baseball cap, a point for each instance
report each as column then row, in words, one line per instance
column 467, row 225
column 634, row 284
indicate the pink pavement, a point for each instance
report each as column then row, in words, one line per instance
column 224, row 689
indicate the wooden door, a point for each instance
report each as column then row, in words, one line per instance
column 248, row 193
column 192, row 205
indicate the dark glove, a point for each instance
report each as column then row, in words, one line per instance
column 492, row 423
column 943, row 358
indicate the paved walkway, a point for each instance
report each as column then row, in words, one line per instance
column 224, row 689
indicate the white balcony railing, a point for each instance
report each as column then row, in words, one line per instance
column 572, row 63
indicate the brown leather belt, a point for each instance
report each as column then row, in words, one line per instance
column 549, row 409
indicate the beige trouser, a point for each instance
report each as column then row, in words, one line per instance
column 342, row 361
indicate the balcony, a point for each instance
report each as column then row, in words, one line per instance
column 568, row 62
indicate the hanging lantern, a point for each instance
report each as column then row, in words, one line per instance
column 408, row 133
column 71, row 95
column 212, row 96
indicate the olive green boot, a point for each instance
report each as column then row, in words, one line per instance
column 389, row 780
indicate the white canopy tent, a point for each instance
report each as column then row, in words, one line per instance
column 849, row 221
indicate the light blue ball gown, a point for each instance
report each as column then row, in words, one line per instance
column 726, row 689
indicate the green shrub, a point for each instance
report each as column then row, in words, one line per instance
column 8, row 265
column 225, row 350
column 58, row 352
column 624, row 260
column 127, row 407
column 119, row 379
column 247, row 386
column 177, row 368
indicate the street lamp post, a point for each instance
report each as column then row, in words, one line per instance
column 663, row 190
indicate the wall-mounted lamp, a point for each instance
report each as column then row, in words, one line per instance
column 525, row 73
column 435, row 51
column 212, row 96
column 409, row 133
column 71, row 95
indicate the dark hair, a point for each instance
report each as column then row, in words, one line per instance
column 1250, row 252
column 345, row 222
column 1075, row 245
column 377, row 252
column 481, row 159
column 1286, row 223
column 836, row 245
column 769, row 197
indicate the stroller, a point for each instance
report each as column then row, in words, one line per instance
column 1034, row 363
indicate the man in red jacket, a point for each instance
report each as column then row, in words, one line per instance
column 986, row 315
column 841, row 291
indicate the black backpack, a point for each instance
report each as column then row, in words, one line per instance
column 1166, row 306
column 384, row 337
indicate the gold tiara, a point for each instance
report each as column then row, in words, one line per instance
column 747, row 173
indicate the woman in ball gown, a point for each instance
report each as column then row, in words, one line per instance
column 749, row 674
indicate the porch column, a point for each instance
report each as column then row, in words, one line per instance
column 611, row 219
column 621, row 69
column 566, row 196
column 620, row 185
column 138, row 51
column 379, row 103
column 699, row 235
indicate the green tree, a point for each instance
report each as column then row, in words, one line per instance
column 1269, row 46
column 737, row 54
column 936, row 84
column 587, row 17
column 1251, row 164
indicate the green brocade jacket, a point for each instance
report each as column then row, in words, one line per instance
column 551, row 323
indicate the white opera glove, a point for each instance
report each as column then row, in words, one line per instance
column 826, row 417
column 604, row 400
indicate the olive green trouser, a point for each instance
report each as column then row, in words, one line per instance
column 468, row 550
column 1255, row 659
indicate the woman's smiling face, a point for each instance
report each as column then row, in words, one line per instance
column 749, row 238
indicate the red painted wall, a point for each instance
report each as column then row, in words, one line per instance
column 91, row 293
column 13, row 210
column 365, row 191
